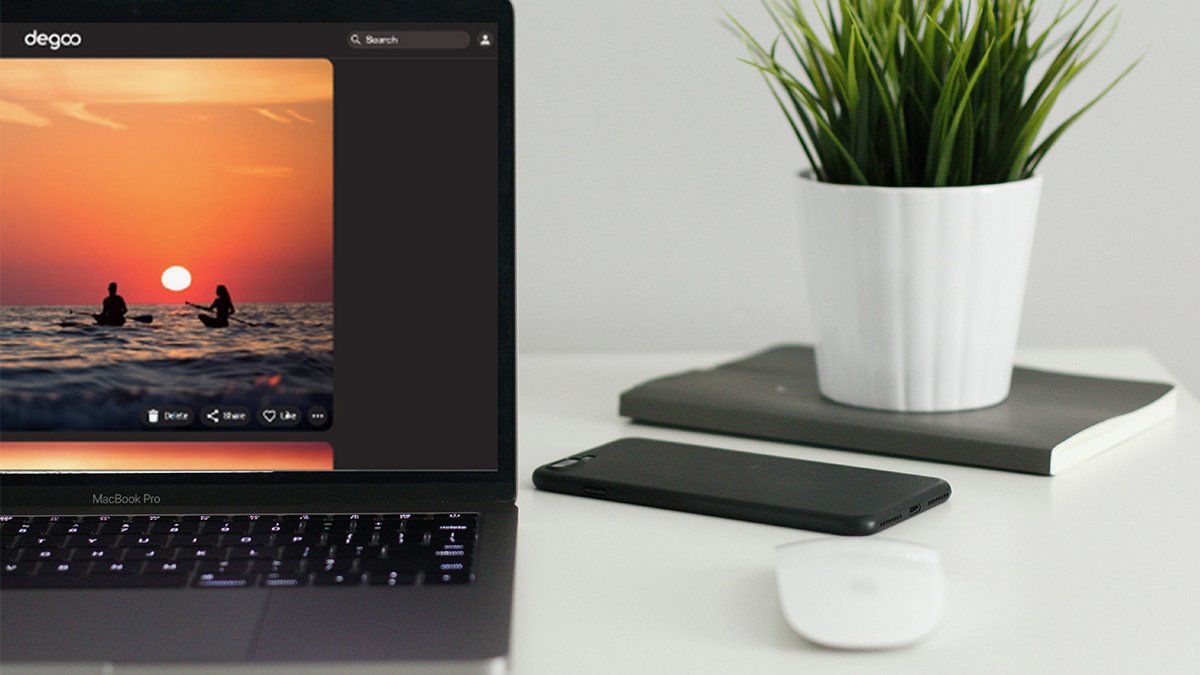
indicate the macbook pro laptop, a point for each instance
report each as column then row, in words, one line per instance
column 257, row 396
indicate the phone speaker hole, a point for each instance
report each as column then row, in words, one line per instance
column 891, row 520
column 938, row 500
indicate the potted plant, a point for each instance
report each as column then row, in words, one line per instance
column 922, row 122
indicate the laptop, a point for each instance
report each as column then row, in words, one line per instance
column 257, row 342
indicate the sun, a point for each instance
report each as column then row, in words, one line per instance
column 176, row 278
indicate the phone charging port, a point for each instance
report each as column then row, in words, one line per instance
column 594, row 491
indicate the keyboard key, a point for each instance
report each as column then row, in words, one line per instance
column 63, row 568
column 167, row 567
column 202, row 553
column 372, row 552
column 279, row 530
column 228, row 528
column 452, row 541
column 168, row 527
column 90, row 541
column 247, row 552
column 336, row 579
column 18, row 568
column 143, row 540
column 321, row 552
column 145, row 554
column 284, row 580
column 302, row 539
column 355, row 538
column 346, row 552
column 43, row 554
column 93, row 553
column 222, row 580
column 391, row 579
column 331, row 565
column 114, row 567
column 37, row 541
column 247, row 540
column 250, row 523
column 262, row 565
column 401, row 538
column 197, row 540
column 447, row 578
column 292, row 552
column 94, row 581
column 67, row 527
column 221, row 567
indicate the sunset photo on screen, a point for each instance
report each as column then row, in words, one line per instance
column 166, row 242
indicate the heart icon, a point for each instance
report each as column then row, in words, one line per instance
column 269, row 416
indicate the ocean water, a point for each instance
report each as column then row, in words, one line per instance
column 59, row 370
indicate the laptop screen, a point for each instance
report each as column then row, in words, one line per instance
column 250, row 247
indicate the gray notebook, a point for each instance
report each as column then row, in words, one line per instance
column 1050, row 421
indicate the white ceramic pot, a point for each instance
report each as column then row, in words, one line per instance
column 916, row 292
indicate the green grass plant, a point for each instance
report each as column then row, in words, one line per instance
column 926, row 93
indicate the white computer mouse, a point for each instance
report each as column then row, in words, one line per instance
column 860, row 593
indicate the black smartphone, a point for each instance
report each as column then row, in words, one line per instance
column 762, row 488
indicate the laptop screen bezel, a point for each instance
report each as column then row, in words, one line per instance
column 316, row 488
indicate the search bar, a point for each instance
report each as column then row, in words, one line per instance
column 409, row 39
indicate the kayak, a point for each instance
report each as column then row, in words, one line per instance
column 212, row 321
column 120, row 321
column 109, row 321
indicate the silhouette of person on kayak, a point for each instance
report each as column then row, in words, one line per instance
column 222, row 305
column 113, row 309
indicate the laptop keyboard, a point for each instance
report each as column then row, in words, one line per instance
column 237, row 551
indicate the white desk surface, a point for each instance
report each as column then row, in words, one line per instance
column 1096, row 570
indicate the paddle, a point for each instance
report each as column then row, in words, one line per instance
column 141, row 318
column 209, row 309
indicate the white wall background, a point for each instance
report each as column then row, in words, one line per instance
column 656, row 200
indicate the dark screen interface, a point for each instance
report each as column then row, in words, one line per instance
column 248, row 247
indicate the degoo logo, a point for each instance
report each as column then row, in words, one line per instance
column 52, row 40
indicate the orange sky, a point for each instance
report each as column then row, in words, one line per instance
column 115, row 169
